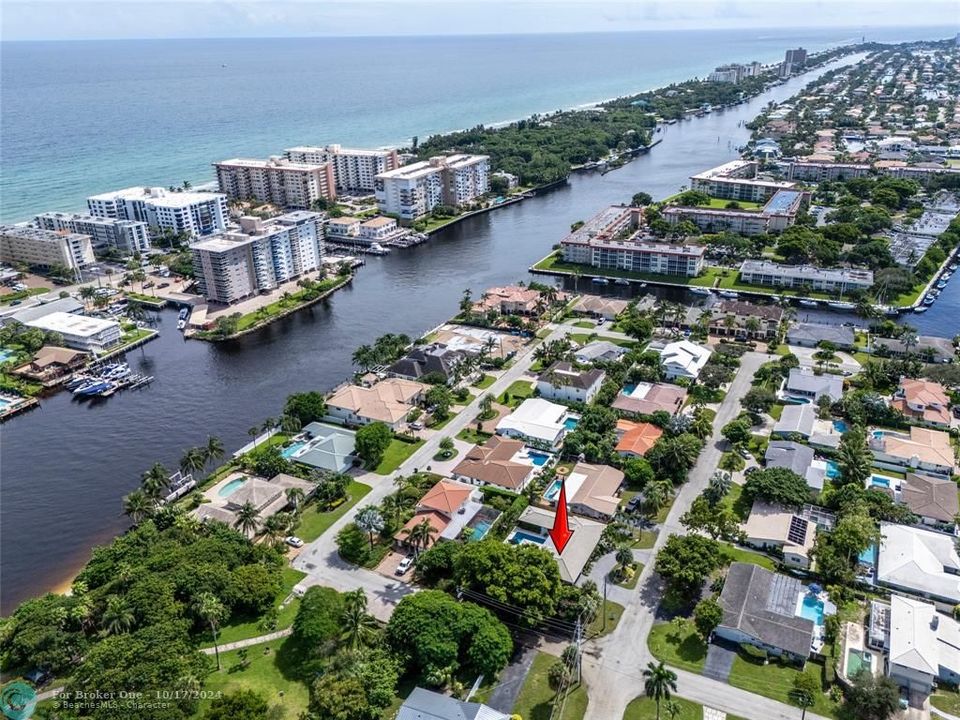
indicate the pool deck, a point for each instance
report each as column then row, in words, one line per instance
column 852, row 638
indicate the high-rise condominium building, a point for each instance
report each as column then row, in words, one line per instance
column 264, row 253
column 282, row 182
column 412, row 191
column 793, row 61
column 354, row 171
column 127, row 236
column 735, row 72
column 194, row 213
column 45, row 248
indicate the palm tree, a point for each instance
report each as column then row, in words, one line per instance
column 295, row 496
column 370, row 521
column 137, row 506
column 117, row 616
column 486, row 405
column 364, row 357
column 290, row 423
column 275, row 528
column 657, row 493
column 213, row 449
column 87, row 293
column 719, row 486
column 193, row 460
column 154, row 481
column 359, row 628
column 659, row 682
column 396, row 504
column 624, row 559
column 420, row 535
column 212, row 611
column 248, row 518
column 254, row 432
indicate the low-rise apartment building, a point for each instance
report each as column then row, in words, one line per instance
column 79, row 331
column 45, row 248
column 127, row 236
column 740, row 319
column 195, row 214
column 354, row 170
column 831, row 280
column 345, row 227
column 263, row 254
column 282, row 182
column 378, row 229
column 812, row 171
column 777, row 215
column 414, row 190
column 737, row 180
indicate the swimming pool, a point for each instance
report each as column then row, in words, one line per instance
column 552, row 491
column 879, row 481
column 858, row 660
column 231, row 487
column 812, row 609
column 5, row 403
column 538, row 458
column 289, row 451
column 796, row 400
column 877, row 434
column 840, row 426
column 868, row 556
column 6, row 355
column 629, row 388
column 480, row 530
column 833, row 470
column 570, row 423
column 519, row 536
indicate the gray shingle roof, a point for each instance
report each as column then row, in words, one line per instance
column 817, row 332
column 789, row 455
column 428, row 705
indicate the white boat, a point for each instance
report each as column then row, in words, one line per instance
column 600, row 281
column 621, row 281
column 920, row 309
column 728, row 294
column 181, row 324
column 887, row 310
column 836, row 305
column 700, row 291
column 809, row 303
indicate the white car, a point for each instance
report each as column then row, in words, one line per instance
column 293, row 541
column 404, row 565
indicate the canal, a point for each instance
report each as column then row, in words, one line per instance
column 67, row 465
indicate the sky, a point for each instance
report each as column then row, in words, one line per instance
column 114, row 19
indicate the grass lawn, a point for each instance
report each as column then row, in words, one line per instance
column 946, row 700
column 775, row 681
column 314, row 523
column 247, row 321
column 443, row 423
column 613, row 613
column 585, row 324
column 471, row 435
column 535, row 701
column 29, row 292
column 645, row 540
column 133, row 336
column 518, row 391
column 272, row 674
column 682, row 648
column 151, row 300
column 251, row 628
column 721, row 204
column 631, row 583
column 748, row 556
column 661, row 516
column 736, row 502
column 644, row 708
column 583, row 338
column 397, row 452
column 485, row 382
column 776, row 410
column 466, row 401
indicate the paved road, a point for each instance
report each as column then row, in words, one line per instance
column 613, row 666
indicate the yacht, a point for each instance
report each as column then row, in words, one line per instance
column 845, row 306
column 600, row 281
column 700, row 291
column 920, row 309
column 809, row 303
column 621, row 281
column 929, row 300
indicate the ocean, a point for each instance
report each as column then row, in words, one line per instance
column 79, row 118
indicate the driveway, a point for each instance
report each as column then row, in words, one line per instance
column 719, row 662
column 844, row 360
column 504, row 695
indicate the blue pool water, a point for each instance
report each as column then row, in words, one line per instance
column 840, row 426
column 833, row 470
column 231, row 487
column 878, row 481
column 877, row 434
column 868, row 556
column 288, row 451
column 812, row 609
column 538, row 458
column 796, row 400
column 552, row 491
column 6, row 355
column 571, row 423
column 4, row 403
column 480, row 530
column 519, row 536
column 629, row 388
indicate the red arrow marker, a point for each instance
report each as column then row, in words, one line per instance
column 561, row 533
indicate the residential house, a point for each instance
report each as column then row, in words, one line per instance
column 923, row 645
column 759, row 608
column 448, row 506
column 932, row 499
column 634, row 439
column 795, row 420
column 934, row 349
column 812, row 334
column 388, row 401
column 536, row 421
column 52, row 364
column 535, row 523
column 599, row 350
column 565, row 383
column 509, row 300
column 323, row 447
column 497, row 462
column 434, row 360
column 683, row 359
column 268, row 497
column 805, row 383
column 922, row 449
column 774, row 526
column 919, row 562
column 647, row 398
column 798, row 458
column 593, row 491
column 599, row 307
column 922, row 400
column 745, row 320
column 424, row 704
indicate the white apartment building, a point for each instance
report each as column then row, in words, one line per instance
column 378, row 229
column 276, row 180
column 79, row 331
column 762, row 272
column 465, row 177
column 193, row 213
column 127, row 236
column 737, row 180
column 354, row 170
column 734, row 73
column 263, row 254
column 45, row 248
column 778, row 214
column 412, row 191
column 345, row 227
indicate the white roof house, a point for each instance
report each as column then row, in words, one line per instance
column 924, row 645
column 919, row 562
column 806, row 383
column 537, row 421
column 683, row 359
column 796, row 420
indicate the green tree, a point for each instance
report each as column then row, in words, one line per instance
column 685, row 562
column 420, row 535
column 779, row 485
column 370, row 521
column 117, row 617
column 248, row 519
column 439, row 399
column 243, row 704
column 339, row 697
column 154, row 481
column 853, row 456
column 707, row 615
column 658, row 683
column 319, row 619
column 637, row 472
column 640, row 199
column 359, row 628
column 804, row 691
column 307, row 407
column 872, row 698
column 138, row 506
column 372, row 442
column 210, row 610
column 213, row 450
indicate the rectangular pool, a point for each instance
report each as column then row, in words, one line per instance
column 812, row 609
column 879, row 481
column 552, row 490
column 538, row 458
column 868, row 556
column 570, row 423
column 519, row 536
column 288, row 452
column 833, row 470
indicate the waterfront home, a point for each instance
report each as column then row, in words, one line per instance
column 647, row 398
column 424, row 704
column 500, row 461
column 346, row 228
column 919, row 562
column 934, row 349
column 812, row 334
column 922, row 400
column 592, row 490
column 509, row 300
column 599, row 350
column 52, row 364
column 795, row 420
column 779, row 213
column 774, row 526
column 80, row 332
column 683, row 359
column 565, row 383
column 634, row 439
column 803, row 382
column 448, row 507
column 378, row 229
column 932, row 499
column 798, row 458
column 760, row 608
column 388, row 401
column 534, row 525
column 323, row 447
column 838, row 280
column 538, row 422
column 238, row 489
column 923, row 449
column 599, row 307
column 436, row 360
column 745, row 320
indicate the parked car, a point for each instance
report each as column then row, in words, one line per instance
column 293, row 541
column 744, row 453
column 751, row 470
column 417, row 425
column 404, row 565
column 149, row 284
column 16, row 302
column 163, row 285
column 634, row 503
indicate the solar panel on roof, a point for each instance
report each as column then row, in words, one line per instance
column 797, row 534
